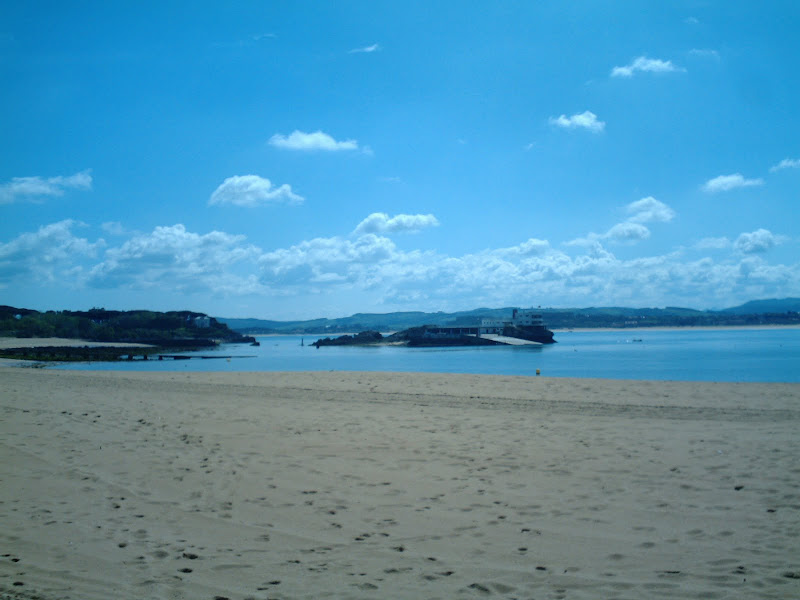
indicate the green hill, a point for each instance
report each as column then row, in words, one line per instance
column 100, row 325
column 766, row 306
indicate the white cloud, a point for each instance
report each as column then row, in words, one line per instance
column 35, row 188
column 724, row 183
column 252, row 190
column 370, row 270
column 627, row 232
column 718, row 243
column 645, row 65
column 365, row 49
column 50, row 253
column 318, row 140
column 786, row 163
column 532, row 247
column 648, row 210
column 757, row 241
column 173, row 258
column 326, row 261
column 585, row 120
column 382, row 223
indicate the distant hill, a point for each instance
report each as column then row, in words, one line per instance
column 758, row 312
column 765, row 306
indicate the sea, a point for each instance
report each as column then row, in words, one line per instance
column 734, row 355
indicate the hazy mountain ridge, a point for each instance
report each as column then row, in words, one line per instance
column 770, row 311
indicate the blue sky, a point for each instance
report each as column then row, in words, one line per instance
column 304, row 159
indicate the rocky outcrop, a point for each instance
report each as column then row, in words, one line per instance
column 359, row 339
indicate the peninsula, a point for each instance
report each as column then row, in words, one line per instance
column 113, row 335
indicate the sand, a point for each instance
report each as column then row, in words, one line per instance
column 391, row 485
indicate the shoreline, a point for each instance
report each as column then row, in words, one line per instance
column 396, row 485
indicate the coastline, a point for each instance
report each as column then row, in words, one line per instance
column 402, row 485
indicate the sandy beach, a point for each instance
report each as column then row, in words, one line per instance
column 392, row 485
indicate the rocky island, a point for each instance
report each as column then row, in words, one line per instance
column 525, row 328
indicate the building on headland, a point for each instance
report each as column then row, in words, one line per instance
column 202, row 322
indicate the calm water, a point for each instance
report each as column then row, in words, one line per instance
column 691, row 355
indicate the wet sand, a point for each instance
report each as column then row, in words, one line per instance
column 393, row 485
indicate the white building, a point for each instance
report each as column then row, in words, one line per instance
column 519, row 318
column 202, row 322
column 526, row 318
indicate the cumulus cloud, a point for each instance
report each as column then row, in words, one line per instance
column 724, row 183
column 318, row 140
column 50, row 253
column 252, row 190
column 36, row 188
column 648, row 210
column 585, row 120
column 645, row 65
column 531, row 247
column 176, row 259
column 786, row 163
column 531, row 270
column 365, row 49
column 630, row 231
column 372, row 268
column 757, row 241
column 327, row 261
column 382, row 223
column 627, row 232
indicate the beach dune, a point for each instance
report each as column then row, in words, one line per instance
column 395, row 485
